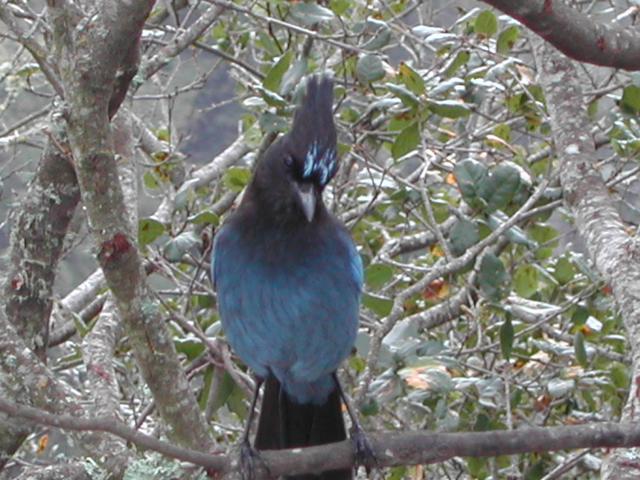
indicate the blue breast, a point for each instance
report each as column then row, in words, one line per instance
column 289, row 302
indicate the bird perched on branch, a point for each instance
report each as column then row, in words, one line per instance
column 288, row 278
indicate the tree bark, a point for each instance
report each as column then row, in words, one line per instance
column 575, row 34
column 615, row 254
column 36, row 245
column 94, row 56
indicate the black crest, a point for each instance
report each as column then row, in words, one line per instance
column 313, row 134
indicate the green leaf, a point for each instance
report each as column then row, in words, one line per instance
column 458, row 61
column 149, row 230
column 186, row 195
column 630, row 101
column 482, row 424
column 398, row 473
column 580, row 350
column 449, row 108
column 379, row 40
column 270, row 122
column 377, row 275
column 203, row 397
column 407, row 96
column 503, row 130
column 369, row 407
column 492, row 277
column 272, row 98
column 406, row 141
column 340, row 6
column 223, row 392
column 81, row 328
column 411, row 79
column 564, row 270
column 499, row 187
column 150, row 181
column 379, row 306
column 592, row 109
column 506, row 337
column 265, row 42
column 526, row 280
column 28, row 70
column 369, row 68
column 547, row 237
column 190, row 346
column 274, row 75
column 203, row 301
column 236, row 402
column 486, row 24
column 470, row 174
column 177, row 247
column 464, row 234
column 206, row 217
column 477, row 467
column 515, row 234
column 293, row 76
column 310, row 13
column 580, row 316
column 507, row 39
column 535, row 471
column 236, row 178
column 620, row 376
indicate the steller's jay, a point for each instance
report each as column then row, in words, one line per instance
column 288, row 278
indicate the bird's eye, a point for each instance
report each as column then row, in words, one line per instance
column 288, row 161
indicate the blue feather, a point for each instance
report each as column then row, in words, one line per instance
column 289, row 308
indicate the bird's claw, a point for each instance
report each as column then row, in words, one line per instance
column 363, row 451
column 250, row 462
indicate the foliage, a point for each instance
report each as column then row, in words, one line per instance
column 443, row 137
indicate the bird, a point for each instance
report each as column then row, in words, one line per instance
column 288, row 278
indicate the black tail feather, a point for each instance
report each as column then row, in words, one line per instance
column 286, row 424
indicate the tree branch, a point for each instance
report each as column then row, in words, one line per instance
column 575, row 34
column 36, row 50
column 24, row 378
column 100, row 343
column 289, row 26
column 66, row 471
column 36, row 245
column 615, row 254
column 181, row 42
column 391, row 449
column 98, row 51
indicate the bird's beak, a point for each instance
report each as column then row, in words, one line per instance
column 307, row 196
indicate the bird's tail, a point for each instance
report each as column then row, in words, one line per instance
column 286, row 424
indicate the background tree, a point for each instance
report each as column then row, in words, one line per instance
column 490, row 182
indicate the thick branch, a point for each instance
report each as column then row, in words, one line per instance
column 391, row 449
column 98, row 52
column 616, row 255
column 100, row 343
column 25, row 379
column 575, row 34
column 66, row 471
column 36, row 245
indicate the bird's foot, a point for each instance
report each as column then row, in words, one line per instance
column 363, row 451
column 251, row 463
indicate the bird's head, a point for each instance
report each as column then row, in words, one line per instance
column 295, row 169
